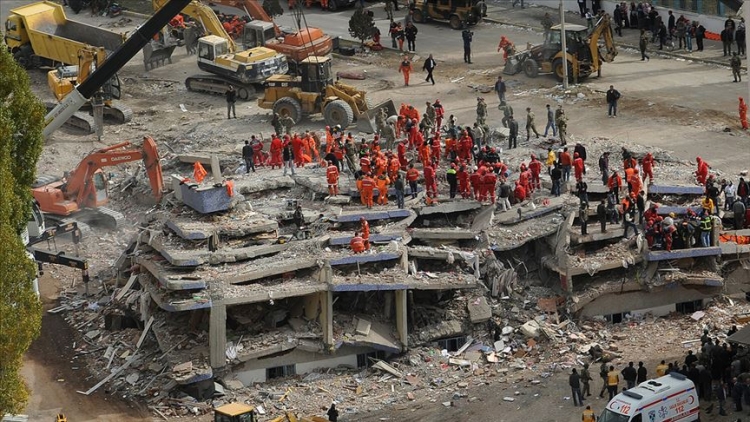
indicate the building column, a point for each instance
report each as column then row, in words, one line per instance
column 217, row 335
column 326, row 317
column 402, row 318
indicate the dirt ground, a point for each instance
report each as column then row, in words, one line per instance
column 52, row 369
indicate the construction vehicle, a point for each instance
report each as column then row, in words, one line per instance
column 583, row 58
column 218, row 54
column 240, row 412
column 263, row 31
column 458, row 13
column 316, row 92
column 114, row 62
column 36, row 232
column 82, row 193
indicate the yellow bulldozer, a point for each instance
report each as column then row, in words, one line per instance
column 239, row 412
column 315, row 92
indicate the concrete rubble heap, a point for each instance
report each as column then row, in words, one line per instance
column 206, row 308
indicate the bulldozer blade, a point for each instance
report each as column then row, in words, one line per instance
column 156, row 54
column 366, row 120
column 512, row 66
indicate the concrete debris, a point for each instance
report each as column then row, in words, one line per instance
column 479, row 310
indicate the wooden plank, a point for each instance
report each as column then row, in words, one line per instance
column 143, row 334
column 127, row 287
column 110, row 376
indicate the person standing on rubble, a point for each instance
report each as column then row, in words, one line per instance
column 574, row 380
column 583, row 216
column 247, row 155
column 613, row 381
column 601, row 213
column 333, row 414
column 585, row 378
column 398, row 185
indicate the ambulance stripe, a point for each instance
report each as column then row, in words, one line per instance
column 663, row 399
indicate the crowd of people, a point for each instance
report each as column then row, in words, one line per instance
column 719, row 371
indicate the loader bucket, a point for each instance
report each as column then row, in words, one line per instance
column 366, row 120
column 512, row 65
column 157, row 54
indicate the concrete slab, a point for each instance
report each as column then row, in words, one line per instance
column 364, row 258
column 666, row 210
column 449, row 207
column 442, row 234
column 240, row 225
column 176, row 301
column 374, row 239
column 683, row 253
column 676, row 190
column 265, row 291
column 339, row 200
column 207, row 199
column 426, row 252
column 194, row 258
column 479, row 310
column 385, row 214
column 363, row 326
column 595, row 265
column 483, row 219
column 367, row 287
column 378, row 337
column 595, row 235
column 171, row 282
column 262, row 182
column 730, row 248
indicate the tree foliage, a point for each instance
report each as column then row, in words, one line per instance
column 361, row 25
column 273, row 8
column 21, row 124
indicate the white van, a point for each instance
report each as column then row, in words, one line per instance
column 669, row 398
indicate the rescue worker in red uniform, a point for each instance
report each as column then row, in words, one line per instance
column 332, row 175
column 357, row 243
column 702, row 173
column 490, row 181
column 482, row 186
column 435, row 153
column 368, row 186
column 519, row 193
column 364, row 164
column 464, row 147
column 523, row 178
column 578, row 166
column 401, row 153
column 647, row 165
column 297, row 146
column 393, row 167
column 535, row 167
column 430, row 181
column 412, row 175
column 475, row 178
column 257, row 145
column 463, row 182
column 276, row 147
column 365, row 227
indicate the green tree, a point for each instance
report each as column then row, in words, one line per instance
column 273, row 8
column 21, row 124
column 361, row 25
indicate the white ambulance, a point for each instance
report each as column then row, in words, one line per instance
column 669, row 398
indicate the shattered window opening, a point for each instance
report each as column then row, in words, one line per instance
column 281, row 371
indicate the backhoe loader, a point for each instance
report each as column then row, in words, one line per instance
column 583, row 58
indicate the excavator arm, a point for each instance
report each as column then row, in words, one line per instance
column 205, row 16
column 81, row 182
column 602, row 30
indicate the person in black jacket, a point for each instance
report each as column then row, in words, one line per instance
column 231, row 95
column 629, row 374
column 410, row 32
column 642, row 373
column 700, row 34
column 727, row 37
column 333, row 414
column 428, row 66
column 601, row 213
column 247, row 155
column 467, row 36
column 451, row 177
column 613, row 96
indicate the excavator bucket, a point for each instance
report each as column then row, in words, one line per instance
column 513, row 64
column 157, row 54
column 366, row 120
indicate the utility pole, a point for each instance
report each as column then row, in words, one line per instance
column 564, row 46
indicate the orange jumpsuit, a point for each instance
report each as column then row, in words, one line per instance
column 405, row 69
column 364, row 164
column 297, row 146
column 743, row 113
column 357, row 244
column 382, row 183
column 647, row 165
column 368, row 186
column 702, row 172
column 393, row 167
column 332, row 175
column 424, row 154
column 435, row 154
column 381, row 165
column 366, row 234
column 276, row 147
column 359, row 189
column 401, row 153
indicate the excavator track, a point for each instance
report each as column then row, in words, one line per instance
column 212, row 84
column 118, row 112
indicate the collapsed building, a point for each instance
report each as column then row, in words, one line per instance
column 232, row 290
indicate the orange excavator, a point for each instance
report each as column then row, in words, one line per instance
column 82, row 193
column 263, row 32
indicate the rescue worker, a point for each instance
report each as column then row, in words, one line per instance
column 578, row 167
column 743, row 113
column 562, row 126
column 535, row 167
column 382, row 183
column 297, row 149
column 435, row 149
column 231, row 96
column 357, row 244
column 257, row 147
column 368, row 186
column 364, row 164
column 365, row 230
column 550, row 122
column 401, row 153
column 405, row 69
column 412, row 175
column 439, row 114
column 276, row 148
column 463, row 182
column 513, row 132
column 702, row 173
column 505, row 46
column 530, row 125
column 614, row 183
column 288, row 155
column 585, row 378
column 332, row 176
column 551, row 159
column 490, row 181
column 475, row 180
column 451, row 176
column 613, row 380
column 430, row 181
column 519, row 193
column 647, row 166
column 276, row 123
column 588, row 415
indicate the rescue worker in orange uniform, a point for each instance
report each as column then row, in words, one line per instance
column 702, row 173
column 465, row 146
column 435, row 153
column 614, row 184
column 503, row 46
column 578, row 166
column 364, row 164
column 382, row 183
column 405, row 69
column 276, row 147
column 430, row 181
column 490, row 181
column 357, row 243
column 412, row 175
column 475, row 179
column 365, row 227
column 332, row 175
column 393, row 167
column 362, row 199
column 535, row 167
column 482, row 186
column 368, row 186
column 424, row 154
column 401, row 153
column 647, row 165
column 524, row 176
column 297, row 149
column 519, row 193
